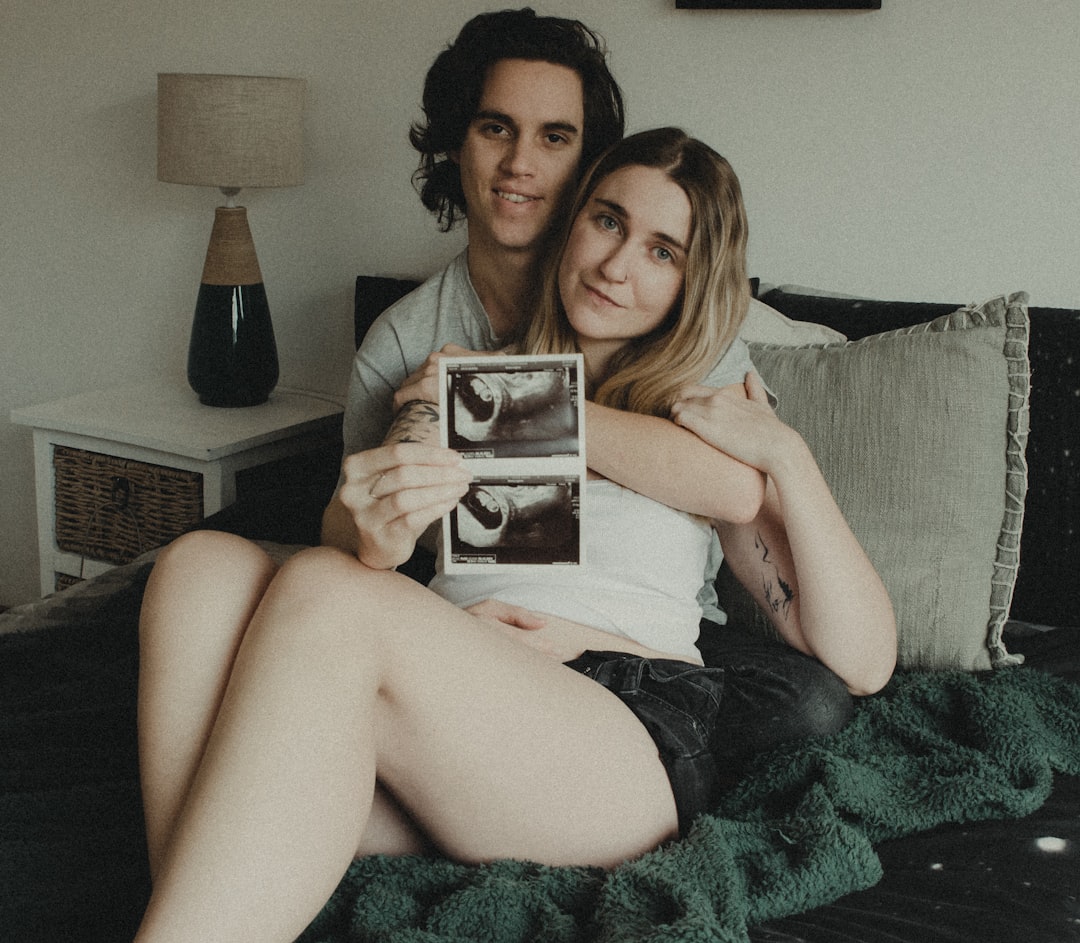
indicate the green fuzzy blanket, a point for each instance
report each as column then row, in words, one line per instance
column 796, row 834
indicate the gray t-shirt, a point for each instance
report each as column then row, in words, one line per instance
column 443, row 310
column 446, row 310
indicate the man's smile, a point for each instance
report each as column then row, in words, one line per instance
column 515, row 197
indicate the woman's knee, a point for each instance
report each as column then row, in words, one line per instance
column 208, row 554
column 323, row 587
column 201, row 595
column 204, row 574
column 318, row 572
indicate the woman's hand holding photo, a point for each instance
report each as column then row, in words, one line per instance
column 395, row 492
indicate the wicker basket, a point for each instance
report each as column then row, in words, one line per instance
column 113, row 509
column 65, row 580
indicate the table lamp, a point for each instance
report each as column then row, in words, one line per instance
column 230, row 132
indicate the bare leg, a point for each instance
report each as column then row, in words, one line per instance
column 201, row 596
column 496, row 750
column 198, row 602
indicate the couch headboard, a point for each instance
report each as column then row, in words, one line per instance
column 374, row 295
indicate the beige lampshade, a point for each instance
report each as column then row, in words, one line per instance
column 230, row 131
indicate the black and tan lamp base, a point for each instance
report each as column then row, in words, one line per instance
column 232, row 356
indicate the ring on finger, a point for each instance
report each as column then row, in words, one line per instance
column 375, row 484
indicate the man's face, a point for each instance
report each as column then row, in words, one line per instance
column 521, row 152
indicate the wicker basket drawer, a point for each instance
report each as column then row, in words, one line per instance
column 64, row 580
column 112, row 509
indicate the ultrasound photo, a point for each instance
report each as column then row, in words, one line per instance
column 519, row 423
column 518, row 521
column 499, row 409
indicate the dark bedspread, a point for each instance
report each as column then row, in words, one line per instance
column 797, row 852
column 72, row 852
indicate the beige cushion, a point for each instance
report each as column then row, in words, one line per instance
column 765, row 325
column 921, row 434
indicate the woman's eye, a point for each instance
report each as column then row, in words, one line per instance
column 663, row 254
column 610, row 223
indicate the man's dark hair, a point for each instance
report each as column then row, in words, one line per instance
column 455, row 83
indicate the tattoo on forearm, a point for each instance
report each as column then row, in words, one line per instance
column 410, row 418
column 779, row 595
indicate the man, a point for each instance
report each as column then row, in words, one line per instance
column 514, row 109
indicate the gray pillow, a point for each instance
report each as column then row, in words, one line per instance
column 766, row 325
column 921, row 433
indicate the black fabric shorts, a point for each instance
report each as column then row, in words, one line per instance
column 677, row 702
column 709, row 721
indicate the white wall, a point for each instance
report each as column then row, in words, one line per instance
column 924, row 151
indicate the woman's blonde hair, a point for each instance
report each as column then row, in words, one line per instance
column 646, row 375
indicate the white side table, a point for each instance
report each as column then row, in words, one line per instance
column 163, row 428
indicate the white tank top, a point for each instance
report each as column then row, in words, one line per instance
column 640, row 579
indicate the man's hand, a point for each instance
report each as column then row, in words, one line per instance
column 394, row 492
column 423, row 383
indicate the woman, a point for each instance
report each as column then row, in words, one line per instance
column 351, row 711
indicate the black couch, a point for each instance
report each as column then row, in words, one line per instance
column 71, row 847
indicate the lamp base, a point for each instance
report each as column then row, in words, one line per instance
column 232, row 357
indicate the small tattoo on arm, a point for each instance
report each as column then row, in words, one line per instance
column 779, row 595
column 410, row 421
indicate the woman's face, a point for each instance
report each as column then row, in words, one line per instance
column 625, row 261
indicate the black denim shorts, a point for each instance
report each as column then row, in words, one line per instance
column 678, row 703
column 709, row 723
